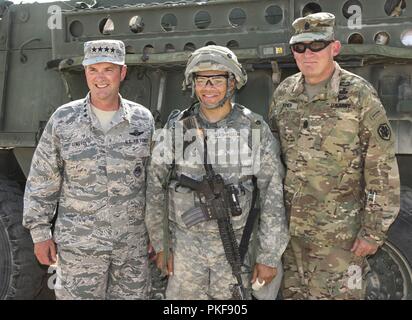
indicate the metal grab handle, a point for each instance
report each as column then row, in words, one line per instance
column 23, row 57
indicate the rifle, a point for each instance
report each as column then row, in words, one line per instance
column 217, row 201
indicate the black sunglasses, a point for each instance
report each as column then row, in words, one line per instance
column 314, row 46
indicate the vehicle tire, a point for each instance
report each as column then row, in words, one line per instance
column 20, row 274
column 391, row 276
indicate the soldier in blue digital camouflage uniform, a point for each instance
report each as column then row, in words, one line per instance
column 91, row 162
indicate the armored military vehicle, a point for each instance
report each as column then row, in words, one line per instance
column 40, row 68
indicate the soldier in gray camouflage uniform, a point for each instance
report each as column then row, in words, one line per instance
column 342, row 180
column 91, row 161
column 197, row 265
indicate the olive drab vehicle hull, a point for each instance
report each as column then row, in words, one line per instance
column 41, row 47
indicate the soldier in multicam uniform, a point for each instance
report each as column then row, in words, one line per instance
column 91, row 162
column 342, row 180
column 197, row 265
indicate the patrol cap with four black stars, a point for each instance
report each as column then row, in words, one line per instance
column 98, row 51
column 315, row 26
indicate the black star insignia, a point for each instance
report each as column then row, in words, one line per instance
column 112, row 49
column 100, row 49
column 94, row 49
column 106, row 49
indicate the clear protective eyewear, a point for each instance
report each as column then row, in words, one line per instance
column 216, row 80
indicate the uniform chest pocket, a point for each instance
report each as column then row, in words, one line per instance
column 320, row 127
column 80, row 160
column 343, row 137
column 129, row 151
column 289, row 123
column 79, row 149
column 133, row 147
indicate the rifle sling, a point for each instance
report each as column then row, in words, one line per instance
column 248, row 229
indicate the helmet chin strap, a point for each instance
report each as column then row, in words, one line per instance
column 228, row 95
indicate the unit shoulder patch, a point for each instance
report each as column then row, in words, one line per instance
column 384, row 131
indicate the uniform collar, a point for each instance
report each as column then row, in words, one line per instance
column 221, row 123
column 123, row 114
column 331, row 90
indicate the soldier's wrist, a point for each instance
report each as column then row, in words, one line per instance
column 40, row 234
column 269, row 261
column 371, row 238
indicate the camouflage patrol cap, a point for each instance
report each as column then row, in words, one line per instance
column 214, row 58
column 98, row 51
column 316, row 26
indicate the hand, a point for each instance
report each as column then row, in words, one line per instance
column 363, row 248
column 159, row 263
column 263, row 273
column 45, row 252
column 151, row 252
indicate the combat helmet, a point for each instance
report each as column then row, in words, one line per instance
column 214, row 58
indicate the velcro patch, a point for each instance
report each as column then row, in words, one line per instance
column 137, row 171
column 340, row 105
column 384, row 131
column 375, row 114
column 290, row 105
